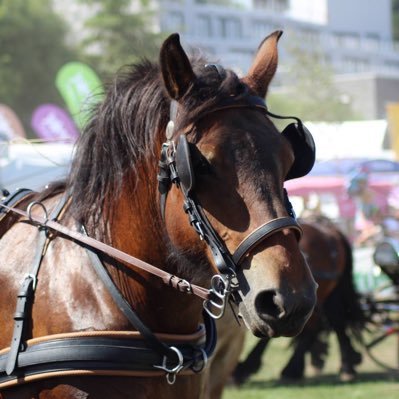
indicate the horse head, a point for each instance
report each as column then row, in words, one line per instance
column 230, row 163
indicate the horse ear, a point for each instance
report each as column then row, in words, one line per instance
column 176, row 68
column 265, row 64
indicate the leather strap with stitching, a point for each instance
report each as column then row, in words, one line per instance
column 178, row 283
column 98, row 352
column 262, row 232
column 125, row 307
column 26, row 293
column 25, row 299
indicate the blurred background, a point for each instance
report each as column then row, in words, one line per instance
column 338, row 71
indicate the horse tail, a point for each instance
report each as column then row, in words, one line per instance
column 344, row 301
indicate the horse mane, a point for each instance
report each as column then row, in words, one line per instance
column 123, row 136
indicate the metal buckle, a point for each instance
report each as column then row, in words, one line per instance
column 44, row 209
column 198, row 228
column 184, row 286
column 203, row 362
column 33, row 278
column 220, row 289
column 171, row 372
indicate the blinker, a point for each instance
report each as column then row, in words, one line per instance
column 302, row 144
column 304, row 148
column 184, row 165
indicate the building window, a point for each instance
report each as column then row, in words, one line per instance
column 310, row 36
column 371, row 41
column 228, row 28
column 273, row 5
column 348, row 40
column 353, row 64
column 392, row 65
column 204, row 25
column 261, row 28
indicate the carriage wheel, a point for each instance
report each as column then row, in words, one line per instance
column 382, row 341
column 383, row 348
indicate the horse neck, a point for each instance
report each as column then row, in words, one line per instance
column 138, row 229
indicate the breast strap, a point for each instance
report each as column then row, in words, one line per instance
column 111, row 353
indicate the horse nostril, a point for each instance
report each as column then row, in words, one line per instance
column 269, row 304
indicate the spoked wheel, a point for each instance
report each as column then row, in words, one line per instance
column 382, row 339
column 383, row 347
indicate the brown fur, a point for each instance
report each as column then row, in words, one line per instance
column 113, row 186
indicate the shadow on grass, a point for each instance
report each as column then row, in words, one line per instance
column 323, row 380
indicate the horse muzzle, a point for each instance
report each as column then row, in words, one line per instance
column 273, row 312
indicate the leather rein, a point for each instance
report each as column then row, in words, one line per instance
column 98, row 354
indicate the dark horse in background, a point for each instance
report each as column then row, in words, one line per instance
column 329, row 254
column 170, row 141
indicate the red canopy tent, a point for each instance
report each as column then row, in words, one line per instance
column 337, row 187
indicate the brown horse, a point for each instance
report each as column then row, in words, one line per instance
column 329, row 255
column 221, row 171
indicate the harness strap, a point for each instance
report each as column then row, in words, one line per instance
column 126, row 309
column 151, row 339
column 26, row 293
column 100, row 352
column 169, row 279
column 17, row 356
column 7, row 219
column 14, row 198
column 201, row 224
column 21, row 314
column 262, row 232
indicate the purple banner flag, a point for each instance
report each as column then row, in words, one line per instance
column 52, row 123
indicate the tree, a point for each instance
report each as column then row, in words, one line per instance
column 395, row 19
column 117, row 35
column 310, row 90
column 32, row 50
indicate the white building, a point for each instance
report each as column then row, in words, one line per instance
column 355, row 36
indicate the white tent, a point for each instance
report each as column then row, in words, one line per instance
column 35, row 165
column 354, row 139
column 28, row 165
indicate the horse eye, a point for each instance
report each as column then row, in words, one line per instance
column 201, row 165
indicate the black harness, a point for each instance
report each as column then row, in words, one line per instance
column 175, row 167
column 102, row 354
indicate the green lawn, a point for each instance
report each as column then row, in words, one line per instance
column 372, row 382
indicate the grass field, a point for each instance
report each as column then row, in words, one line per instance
column 372, row 383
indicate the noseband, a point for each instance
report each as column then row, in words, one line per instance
column 176, row 168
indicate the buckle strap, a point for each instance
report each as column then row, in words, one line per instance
column 26, row 293
column 111, row 352
column 168, row 353
column 21, row 314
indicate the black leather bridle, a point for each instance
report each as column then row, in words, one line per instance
column 175, row 168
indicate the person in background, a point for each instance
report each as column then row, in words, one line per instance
column 369, row 216
column 391, row 220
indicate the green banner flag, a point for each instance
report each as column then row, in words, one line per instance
column 80, row 88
